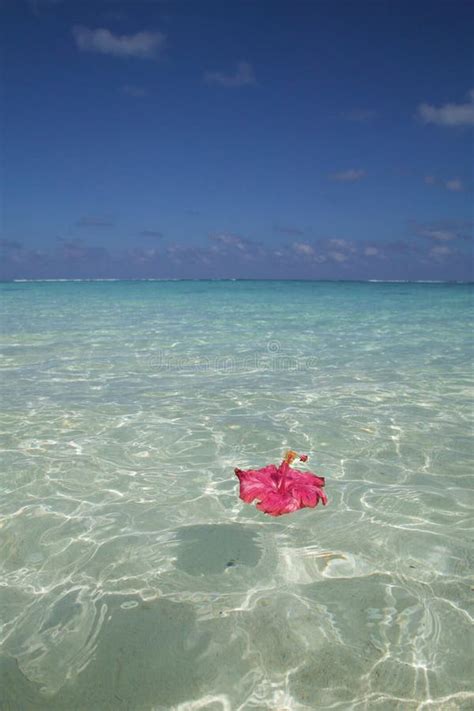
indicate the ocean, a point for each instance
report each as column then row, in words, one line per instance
column 131, row 574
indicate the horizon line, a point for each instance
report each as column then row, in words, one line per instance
column 232, row 279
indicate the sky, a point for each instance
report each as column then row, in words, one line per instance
column 298, row 139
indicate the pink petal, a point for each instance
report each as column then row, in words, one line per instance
column 308, row 477
column 256, row 483
column 276, row 504
column 307, row 495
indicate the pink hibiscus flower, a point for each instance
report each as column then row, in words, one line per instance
column 281, row 490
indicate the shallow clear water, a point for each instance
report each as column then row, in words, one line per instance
column 133, row 577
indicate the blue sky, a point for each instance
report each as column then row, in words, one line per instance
column 300, row 139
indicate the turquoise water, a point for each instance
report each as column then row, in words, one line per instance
column 133, row 577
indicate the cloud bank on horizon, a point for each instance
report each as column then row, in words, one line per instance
column 423, row 254
column 150, row 140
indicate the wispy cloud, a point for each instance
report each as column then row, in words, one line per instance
column 94, row 221
column 243, row 76
column 338, row 243
column 446, row 231
column 400, row 247
column 348, row 176
column 183, row 254
column 438, row 235
column 371, row 251
column 449, row 114
column 304, row 248
column 440, row 252
column 455, row 185
column 229, row 240
column 232, row 244
column 340, row 250
column 330, row 251
column 15, row 255
column 143, row 256
column 77, row 250
column 143, row 45
column 338, row 256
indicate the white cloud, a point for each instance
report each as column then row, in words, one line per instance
column 349, row 176
column 229, row 240
column 338, row 257
column 244, row 76
column 447, row 231
column 442, row 233
column 341, row 244
column 449, row 114
column 438, row 235
column 440, row 251
column 144, row 45
column 371, row 251
column 304, row 248
column 227, row 243
column 455, row 185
